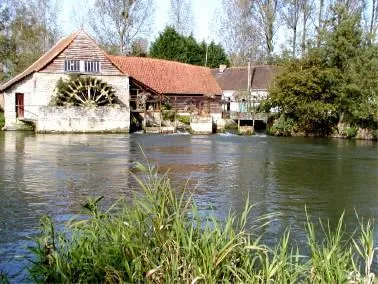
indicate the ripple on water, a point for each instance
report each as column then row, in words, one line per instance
column 54, row 174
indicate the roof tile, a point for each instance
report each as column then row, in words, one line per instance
column 169, row 77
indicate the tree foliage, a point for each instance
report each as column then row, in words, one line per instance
column 173, row 46
column 25, row 33
column 334, row 83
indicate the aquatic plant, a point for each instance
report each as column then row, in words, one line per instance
column 161, row 238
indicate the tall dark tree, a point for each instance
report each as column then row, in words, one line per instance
column 173, row 46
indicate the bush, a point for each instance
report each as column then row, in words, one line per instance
column 2, row 119
column 185, row 119
column 168, row 115
column 283, row 126
column 161, row 238
column 350, row 132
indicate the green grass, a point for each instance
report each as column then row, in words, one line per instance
column 161, row 238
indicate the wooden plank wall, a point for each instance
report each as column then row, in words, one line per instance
column 82, row 48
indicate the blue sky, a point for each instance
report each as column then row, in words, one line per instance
column 203, row 14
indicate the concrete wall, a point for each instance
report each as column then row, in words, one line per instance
column 38, row 90
column 201, row 125
column 81, row 119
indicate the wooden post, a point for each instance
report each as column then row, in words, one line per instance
column 145, row 117
column 161, row 116
column 175, row 115
column 238, row 122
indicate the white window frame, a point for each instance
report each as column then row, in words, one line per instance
column 72, row 65
column 92, row 66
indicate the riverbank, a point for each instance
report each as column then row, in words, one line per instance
column 161, row 238
column 282, row 126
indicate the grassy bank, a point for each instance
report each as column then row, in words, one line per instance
column 161, row 238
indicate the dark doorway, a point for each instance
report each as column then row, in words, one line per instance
column 19, row 105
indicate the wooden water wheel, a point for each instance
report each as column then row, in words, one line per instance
column 84, row 92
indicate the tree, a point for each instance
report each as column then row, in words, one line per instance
column 373, row 25
column 266, row 12
column 306, row 8
column 173, row 46
column 116, row 23
column 215, row 54
column 181, row 16
column 333, row 84
column 290, row 15
column 25, row 34
column 139, row 47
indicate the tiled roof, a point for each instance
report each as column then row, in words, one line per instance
column 235, row 78
column 43, row 60
column 168, row 77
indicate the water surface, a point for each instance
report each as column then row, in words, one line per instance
column 54, row 174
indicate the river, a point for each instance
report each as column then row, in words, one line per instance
column 54, row 174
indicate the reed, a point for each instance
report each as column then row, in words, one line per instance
column 161, row 238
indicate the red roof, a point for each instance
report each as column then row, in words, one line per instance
column 45, row 59
column 169, row 77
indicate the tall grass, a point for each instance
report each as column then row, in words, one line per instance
column 161, row 238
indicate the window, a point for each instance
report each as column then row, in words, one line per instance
column 92, row 66
column 72, row 65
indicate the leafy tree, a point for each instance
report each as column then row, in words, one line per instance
column 215, row 55
column 173, row 46
column 25, row 34
column 334, row 83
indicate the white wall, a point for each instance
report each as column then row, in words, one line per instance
column 38, row 90
column 82, row 119
column 201, row 125
column 256, row 95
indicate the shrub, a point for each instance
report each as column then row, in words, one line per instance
column 185, row 119
column 2, row 119
column 283, row 126
column 168, row 115
column 161, row 238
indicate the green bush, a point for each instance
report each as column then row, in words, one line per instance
column 161, row 238
column 185, row 119
column 283, row 126
column 350, row 132
column 168, row 115
column 2, row 119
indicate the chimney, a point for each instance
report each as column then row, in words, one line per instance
column 222, row 68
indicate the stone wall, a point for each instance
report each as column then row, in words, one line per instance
column 201, row 125
column 81, row 119
column 38, row 90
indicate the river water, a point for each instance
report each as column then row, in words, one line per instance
column 54, row 174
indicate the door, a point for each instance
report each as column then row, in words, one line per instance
column 20, row 105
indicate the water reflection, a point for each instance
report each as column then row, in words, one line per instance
column 54, row 174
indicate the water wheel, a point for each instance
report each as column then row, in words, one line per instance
column 84, row 92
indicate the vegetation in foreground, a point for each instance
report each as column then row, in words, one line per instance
column 161, row 238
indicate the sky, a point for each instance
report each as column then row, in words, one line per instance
column 203, row 14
